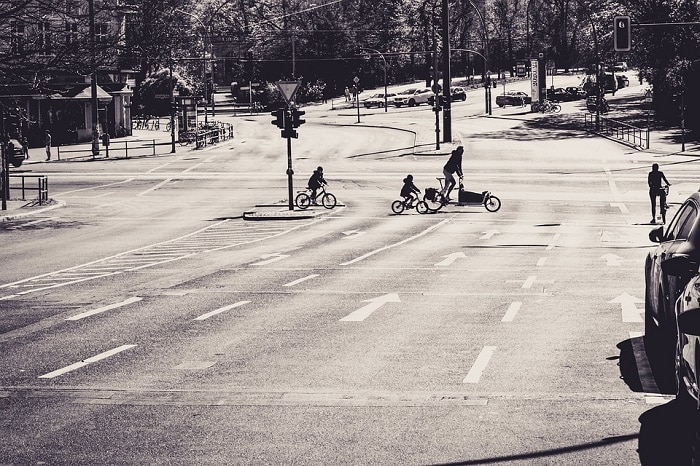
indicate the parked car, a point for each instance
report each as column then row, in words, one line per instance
column 418, row 97
column 681, row 238
column 377, row 100
column 513, row 98
column 687, row 314
column 456, row 94
column 559, row 94
column 577, row 93
column 622, row 81
column 620, row 66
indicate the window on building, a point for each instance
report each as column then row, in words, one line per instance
column 44, row 37
column 71, row 33
column 101, row 33
column 16, row 37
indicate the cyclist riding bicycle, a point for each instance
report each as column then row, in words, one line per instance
column 315, row 182
column 408, row 190
column 453, row 165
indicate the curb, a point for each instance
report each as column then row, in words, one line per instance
column 282, row 212
column 15, row 216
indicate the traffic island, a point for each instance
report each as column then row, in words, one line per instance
column 282, row 212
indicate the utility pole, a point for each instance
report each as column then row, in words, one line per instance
column 446, row 75
column 93, row 82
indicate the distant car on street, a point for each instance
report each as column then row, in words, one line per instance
column 513, row 98
column 620, row 66
column 377, row 100
column 418, row 97
column 456, row 94
column 576, row 92
column 559, row 94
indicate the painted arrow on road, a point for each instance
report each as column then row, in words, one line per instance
column 450, row 258
column 271, row 258
column 613, row 260
column 489, row 234
column 374, row 304
column 630, row 313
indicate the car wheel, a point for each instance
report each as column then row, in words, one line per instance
column 411, row 103
column 682, row 394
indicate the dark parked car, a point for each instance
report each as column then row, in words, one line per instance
column 681, row 238
column 687, row 314
column 513, row 98
column 559, row 94
column 456, row 94
column 576, row 92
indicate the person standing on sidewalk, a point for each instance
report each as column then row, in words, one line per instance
column 47, row 143
column 657, row 189
column 105, row 142
column 25, row 148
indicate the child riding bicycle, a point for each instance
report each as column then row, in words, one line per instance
column 315, row 182
column 408, row 190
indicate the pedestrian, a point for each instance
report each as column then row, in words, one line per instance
column 25, row 148
column 47, row 143
column 453, row 165
column 105, row 142
column 347, row 94
column 657, row 189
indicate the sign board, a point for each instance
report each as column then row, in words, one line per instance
column 288, row 89
column 162, row 96
column 534, row 80
column 521, row 69
column 356, row 80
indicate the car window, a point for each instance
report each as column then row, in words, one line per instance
column 682, row 223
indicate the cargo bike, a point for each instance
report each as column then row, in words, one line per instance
column 435, row 200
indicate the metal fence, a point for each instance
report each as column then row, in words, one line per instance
column 117, row 149
column 42, row 186
column 638, row 137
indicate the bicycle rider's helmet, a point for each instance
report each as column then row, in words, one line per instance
column 319, row 169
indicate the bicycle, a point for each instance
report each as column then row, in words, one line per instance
column 399, row 205
column 547, row 106
column 303, row 199
column 435, row 200
column 186, row 137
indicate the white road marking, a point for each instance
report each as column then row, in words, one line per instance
column 630, row 313
column 450, row 258
column 376, row 251
column 105, row 308
column 300, row 280
column 554, row 240
column 512, row 310
column 489, row 234
column 270, row 258
column 374, row 304
column 541, row 261
column 220, row 310
column 612, row 260
column 87, row 361
column 480, row 364
column 353, row 233
column 153, row 188
column 529, row 281
column 623, row 208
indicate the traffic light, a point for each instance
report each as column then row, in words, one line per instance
column 279, row 118
column 622, row 34
column 296, row 121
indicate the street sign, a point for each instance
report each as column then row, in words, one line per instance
column 162, row 96
column 288, row 89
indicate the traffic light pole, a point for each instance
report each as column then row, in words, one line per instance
column 290, row 173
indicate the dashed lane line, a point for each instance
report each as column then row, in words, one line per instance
column 87, row 361
column 474, row 374
column 100, row 310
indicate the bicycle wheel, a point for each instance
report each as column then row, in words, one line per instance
column 556, row 108
column 329, row 201
column 492, row 203
column 397, row 206
column 422, row 207
column 303, row 201
column 435, row 203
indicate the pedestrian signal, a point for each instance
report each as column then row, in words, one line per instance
column 622, row 34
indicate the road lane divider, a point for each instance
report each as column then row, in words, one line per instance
column 301, row 280
column 270, row 258
column 411, row 238
column 104, row 309
column 512, row 311
column 474, row 374
column 87, row 361
column 220, row 310
column 374, row 304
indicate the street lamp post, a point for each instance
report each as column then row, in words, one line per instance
column 93, row 81
column 485, row 40
column 205, row 37
column 386, row 105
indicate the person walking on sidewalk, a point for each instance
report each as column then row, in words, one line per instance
column 47, row 143
column 25, row 148
column 657, row 189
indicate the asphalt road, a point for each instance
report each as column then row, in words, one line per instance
column 145, row 322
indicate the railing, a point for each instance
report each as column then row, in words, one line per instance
column 638, row 137
column 42, row 188
column 213, row 134
column 124, row 149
